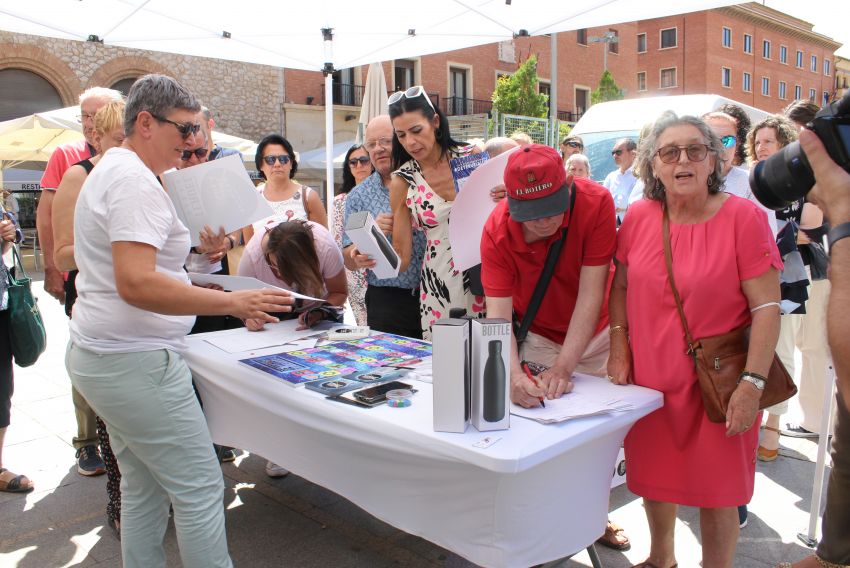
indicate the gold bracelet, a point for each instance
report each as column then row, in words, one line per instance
column 614, row 328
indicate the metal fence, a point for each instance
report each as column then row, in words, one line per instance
column 536, row 128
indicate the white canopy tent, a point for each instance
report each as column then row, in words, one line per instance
column 326, row 35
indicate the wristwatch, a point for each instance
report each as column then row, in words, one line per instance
column 757, row 380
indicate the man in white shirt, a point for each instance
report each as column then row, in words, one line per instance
column 621, row 181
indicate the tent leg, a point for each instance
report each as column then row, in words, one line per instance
column 329, row 144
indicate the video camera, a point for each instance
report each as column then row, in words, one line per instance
column 787, row 176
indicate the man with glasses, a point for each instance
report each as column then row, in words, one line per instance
column 621, row 181
column 89, row 461
column 392, row 304
column 571, row 145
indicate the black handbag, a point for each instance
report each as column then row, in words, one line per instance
column 26, row 328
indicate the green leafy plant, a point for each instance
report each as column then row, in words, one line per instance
column 517, row 93
column 607, row 89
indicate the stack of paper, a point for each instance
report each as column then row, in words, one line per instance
column 590, row 396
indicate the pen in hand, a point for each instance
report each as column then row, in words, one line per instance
column 533, row 380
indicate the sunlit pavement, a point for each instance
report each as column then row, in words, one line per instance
column 292, row 522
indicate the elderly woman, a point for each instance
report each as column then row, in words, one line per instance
column 134, row 309
column 578, row 165
column 725, row 264
column 423, row 187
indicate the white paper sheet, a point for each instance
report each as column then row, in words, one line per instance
column 471, row 208
column 590, row 396
column 275, row 334
column 234, row 283
column 217, row 193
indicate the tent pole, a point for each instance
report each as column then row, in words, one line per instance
column 810, row 538
column 327, row 36
column 553, row 93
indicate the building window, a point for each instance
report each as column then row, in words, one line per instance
column 23, row 93
column 826, row 70
column 581, row 36
column 814, row 63
column 507, row 51
column 747, row 83
column 727, row 37
column 798, row 92
column 614, row 46
column 825, row 99
column 765, row 49
column 641, row 43
column 544, row 88
column 345, row 92
column 668, row 78
column 726, row 77
column 123, row 86
column 669, row 38
column 783, row 54
column 782, row 88
column 458, row 102
column 812, row 95
column 748, row 43
column 405, row 76
column 799, row 59
column 641, row 81
column 582, row 100
column 765, row 86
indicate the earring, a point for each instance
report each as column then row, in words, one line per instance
column 712, row 179
column 438, row 134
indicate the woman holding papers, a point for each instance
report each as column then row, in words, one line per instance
column 423, row 188
column 300, row 256
column 725, row 266
column 134, row 309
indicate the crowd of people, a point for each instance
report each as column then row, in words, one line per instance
column 597, row 279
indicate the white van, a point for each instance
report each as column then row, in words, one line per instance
column 605, row 123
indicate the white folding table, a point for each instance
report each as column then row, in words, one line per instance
column 538, row 494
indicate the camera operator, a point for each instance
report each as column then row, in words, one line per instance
column 832, row 194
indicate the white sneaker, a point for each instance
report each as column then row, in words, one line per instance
column 274, row 470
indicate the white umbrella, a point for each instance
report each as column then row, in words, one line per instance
column 374, row 98
column 316, row 159
column 326, row 35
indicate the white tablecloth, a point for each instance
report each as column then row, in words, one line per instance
column 538, row 494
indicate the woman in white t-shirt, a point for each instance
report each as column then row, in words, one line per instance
column 276, row 161
column 135, row 306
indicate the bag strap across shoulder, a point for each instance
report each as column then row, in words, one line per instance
column 546, row 275
column 668, row 260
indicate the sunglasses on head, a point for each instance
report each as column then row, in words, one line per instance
column 283, row 159
column 200, row 153
column 411, row 93
column 573, row 144
column 671, row 154
column 728, row 141
column 185, row 129
column 362, row 160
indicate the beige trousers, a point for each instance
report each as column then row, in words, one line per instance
column 594, row 360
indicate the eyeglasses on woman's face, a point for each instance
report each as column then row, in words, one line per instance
column 671, row 154
column 361, row 161
column 185, row 129
column 283, row 159
column 411, row 93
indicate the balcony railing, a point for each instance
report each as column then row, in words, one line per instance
column 345, row 94
column 569, row 116
column 454, row 106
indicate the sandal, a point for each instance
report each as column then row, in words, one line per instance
column 13, row 483
column 765, row 454
column 612, row 537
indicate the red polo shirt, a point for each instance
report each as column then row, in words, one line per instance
column 511, row 267
column 62, row 158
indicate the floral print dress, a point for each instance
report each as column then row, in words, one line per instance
column 442, row 287
column 356, row 279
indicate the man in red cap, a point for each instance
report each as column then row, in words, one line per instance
column 568, row 332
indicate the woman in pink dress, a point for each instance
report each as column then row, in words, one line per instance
column 725, row 265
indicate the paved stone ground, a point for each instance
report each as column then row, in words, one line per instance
column 292, row 522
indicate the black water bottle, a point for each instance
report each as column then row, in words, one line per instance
column 494, row 383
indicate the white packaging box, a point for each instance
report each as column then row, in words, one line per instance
column 369, row 239
column 619, row 476
column 491, row 374
column 451, row 377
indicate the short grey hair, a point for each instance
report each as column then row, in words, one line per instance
column 653, row 188
column 631, row 146
column 578, row 158
column 158, row 95
column 108, row 95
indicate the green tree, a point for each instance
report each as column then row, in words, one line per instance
column 517, row 93
column 607, row 89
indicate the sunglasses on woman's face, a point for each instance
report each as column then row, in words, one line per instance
column 200, row 153
column 411, row 93
column 185, row 129
column 671, row 154
column 728, row 141
column 573, row 144
column 362, row 160
column 270, row 160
